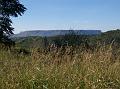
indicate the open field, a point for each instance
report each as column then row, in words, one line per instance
column 47, row 50
column 58, row 69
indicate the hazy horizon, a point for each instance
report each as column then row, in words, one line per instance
column 55, row 30
column 64, row 14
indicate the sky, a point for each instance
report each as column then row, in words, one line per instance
column 65, row 14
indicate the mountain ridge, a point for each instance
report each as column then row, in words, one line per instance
column 49, row 33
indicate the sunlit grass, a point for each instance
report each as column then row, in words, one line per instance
column 73, row 69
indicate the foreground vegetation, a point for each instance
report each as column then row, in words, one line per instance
column 62, row 62
column 71, row 68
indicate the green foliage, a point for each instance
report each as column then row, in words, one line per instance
column 45, row 42
column 70, row 40
column 89, row 42
column 11, row 8
column 106, row 38
column 111, row 36
column 29, row 42
column 8, row 9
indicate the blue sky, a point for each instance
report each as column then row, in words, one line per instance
column 65, row 14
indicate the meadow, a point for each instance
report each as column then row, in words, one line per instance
column 71, row 68
column 62, row 61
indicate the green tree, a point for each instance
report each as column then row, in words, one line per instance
column 45, row 42
column 8, row 9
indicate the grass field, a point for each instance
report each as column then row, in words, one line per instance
column 71, row 69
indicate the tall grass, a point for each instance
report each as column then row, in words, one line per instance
column 70, row 68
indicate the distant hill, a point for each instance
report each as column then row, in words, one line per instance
column 110, row 36
column 105, row 38
column 49, row 33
